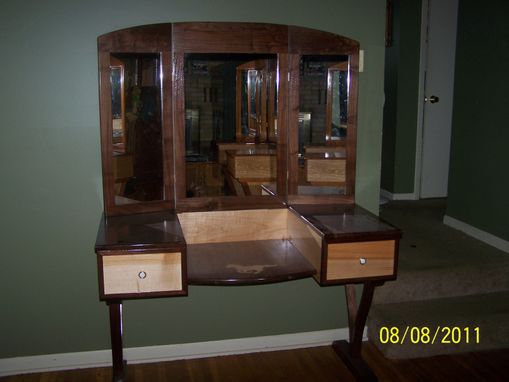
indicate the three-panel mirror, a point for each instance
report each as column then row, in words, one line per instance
column 214, row 118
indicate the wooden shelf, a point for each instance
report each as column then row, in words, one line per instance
column 245, row 263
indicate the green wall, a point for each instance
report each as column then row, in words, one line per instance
column 51, row 179
column 478, row 181
column 391, row 103
column 401, row 91
column 479, row 170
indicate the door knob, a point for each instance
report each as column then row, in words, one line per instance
column 432, row 99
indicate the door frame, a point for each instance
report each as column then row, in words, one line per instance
column 420, row 99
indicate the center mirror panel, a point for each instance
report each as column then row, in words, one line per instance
column 230, row 124
column 323, row 132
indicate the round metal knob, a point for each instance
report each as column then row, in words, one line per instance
column 363, row 260
column 432, row 99
column 142, row 275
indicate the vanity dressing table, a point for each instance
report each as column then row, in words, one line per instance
column 228, row 96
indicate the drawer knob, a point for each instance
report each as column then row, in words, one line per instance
column 142, row 275
column 363, row 260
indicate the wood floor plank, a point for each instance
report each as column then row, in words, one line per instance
column 303, row 365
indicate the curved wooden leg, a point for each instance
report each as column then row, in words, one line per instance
column 350, row 352
column 116, row 341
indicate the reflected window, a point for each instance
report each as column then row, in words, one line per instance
column 337, row 102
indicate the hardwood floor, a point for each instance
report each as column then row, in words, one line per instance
column 302, row 365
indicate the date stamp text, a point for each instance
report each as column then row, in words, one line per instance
column 429, row 335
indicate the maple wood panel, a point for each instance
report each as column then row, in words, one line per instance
column 360, row 260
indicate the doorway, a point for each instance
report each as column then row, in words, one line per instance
column 436, row 86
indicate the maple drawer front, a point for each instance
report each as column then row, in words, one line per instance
column 359, row 260
column 142, row 273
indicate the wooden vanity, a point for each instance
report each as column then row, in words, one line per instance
column 170, row 235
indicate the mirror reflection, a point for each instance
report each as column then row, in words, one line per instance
column 257, row 119
column 323, row 116
column 231, row 123
column 136, row 127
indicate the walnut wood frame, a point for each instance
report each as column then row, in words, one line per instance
column 140, row 231
column 172, row 42
column 144, row 39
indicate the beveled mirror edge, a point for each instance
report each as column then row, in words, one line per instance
column 156, row 39
column 171, row 41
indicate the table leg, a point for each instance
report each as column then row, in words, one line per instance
column 350, row 352
column 116, row 341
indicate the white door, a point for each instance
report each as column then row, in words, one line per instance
column 438, row 94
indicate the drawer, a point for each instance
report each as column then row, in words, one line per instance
column 142, row 273
column 252, row 166
column 360, row 260
column 325, row 170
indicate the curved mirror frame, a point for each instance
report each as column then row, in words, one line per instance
column 278, row 122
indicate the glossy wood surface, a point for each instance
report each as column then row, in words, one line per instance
column 284, row 125
column 292, row 113
column 346, row 222
column 351, row 144
column 178, row 121
column 246, row 263
column 224, row 203
column 331, row 238
column 118, row 370
column 172, row 42
column 221, row 248
column 211, row 37
column 140, row 232
column 247, row 247
column 303, row 365
column 144, row 38
column 350, row 352
column 350, row 232
column 155, row 38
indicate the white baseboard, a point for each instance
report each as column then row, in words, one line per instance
column 390, row 196
column 102, row 358
column 481, row 235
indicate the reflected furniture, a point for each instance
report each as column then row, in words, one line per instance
column 327, row 168
column 213, row 192
column 251, row 168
